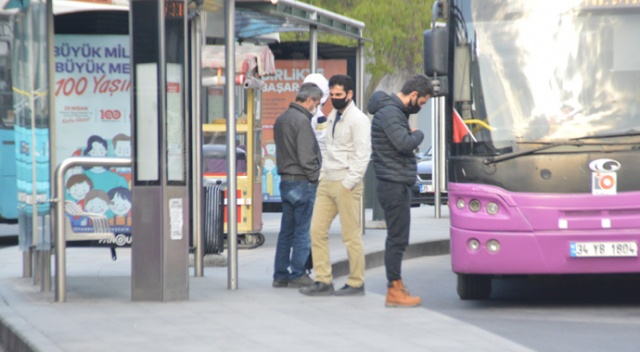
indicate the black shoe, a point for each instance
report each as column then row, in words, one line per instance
column 347, row 290
column 318, row 289
column 302, row 281
column 279, row 283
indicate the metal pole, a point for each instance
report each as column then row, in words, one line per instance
column 52, row 133
column 435, row 166
column 360, row 64
column 230, row 77
column 377, row 212
column 27, row 262
column 360, row 103
column 45, row 280
column 36, row 264
column 313, row 45
column 58, row 212
column 33, row 151
column 442, row 165
column 196, row 122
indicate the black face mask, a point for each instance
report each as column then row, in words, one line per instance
column 414, row 108
column 339, row 103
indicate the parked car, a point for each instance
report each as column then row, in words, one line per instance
column 422, row 191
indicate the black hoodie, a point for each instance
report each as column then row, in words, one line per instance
column 392, row 142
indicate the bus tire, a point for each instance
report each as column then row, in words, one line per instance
column 474, row 287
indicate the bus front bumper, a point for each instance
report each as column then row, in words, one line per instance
column 552, row 252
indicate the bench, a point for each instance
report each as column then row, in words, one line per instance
column 101, row 228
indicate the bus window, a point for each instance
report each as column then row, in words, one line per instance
column 7, row 118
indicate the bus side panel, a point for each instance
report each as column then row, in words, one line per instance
column 8, row 190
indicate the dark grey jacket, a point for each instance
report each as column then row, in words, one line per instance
column 392, row 142
column 297, row 150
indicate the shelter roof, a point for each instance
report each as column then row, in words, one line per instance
column 259, row 17
column 253, row 17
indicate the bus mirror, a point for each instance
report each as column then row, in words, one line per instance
column 436, row 52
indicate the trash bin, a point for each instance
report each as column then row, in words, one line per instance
column 213, row 218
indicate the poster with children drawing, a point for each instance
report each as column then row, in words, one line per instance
column 93, row 118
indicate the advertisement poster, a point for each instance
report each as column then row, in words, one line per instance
column 175, row 126
column 93, row 118
column 279, row 91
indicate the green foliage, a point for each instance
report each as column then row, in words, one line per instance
column 395, row 27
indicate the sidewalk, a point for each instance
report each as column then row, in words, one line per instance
column 100, row 316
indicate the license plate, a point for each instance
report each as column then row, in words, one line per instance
column 604, row 249
column 426, row 188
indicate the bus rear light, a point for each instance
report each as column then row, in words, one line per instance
column 492, row 208
column 473, row 244
column 493, row 246
column 460, row 204
column 474, row 205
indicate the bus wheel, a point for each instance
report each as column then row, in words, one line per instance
column 474, row 286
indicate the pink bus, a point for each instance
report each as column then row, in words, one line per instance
column 541, row 116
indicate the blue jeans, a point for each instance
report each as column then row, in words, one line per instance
column 294, row 241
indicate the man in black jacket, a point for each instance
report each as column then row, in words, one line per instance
column 298, row 158
column 393, row 143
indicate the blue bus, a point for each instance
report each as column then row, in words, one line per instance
column 72, row 18
column 8, row 192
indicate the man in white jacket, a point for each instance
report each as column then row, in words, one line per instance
column 345, row 161
column 319, row 121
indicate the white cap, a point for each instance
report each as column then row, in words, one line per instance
column 321, row 82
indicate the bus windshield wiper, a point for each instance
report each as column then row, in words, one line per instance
column 548, row 145
column 628, row 133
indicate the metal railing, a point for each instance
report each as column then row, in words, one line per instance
column 59, row 212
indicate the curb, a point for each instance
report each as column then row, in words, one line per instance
column 12, row 340
column 376, row 259
column 372, row 260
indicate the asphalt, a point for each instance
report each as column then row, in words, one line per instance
column 99, row 314
column 8, row 235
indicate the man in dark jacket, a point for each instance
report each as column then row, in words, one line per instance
column 298, row 159
column 393, row 143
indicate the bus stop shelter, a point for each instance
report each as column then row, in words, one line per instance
column 246, row 19
column 243, row 20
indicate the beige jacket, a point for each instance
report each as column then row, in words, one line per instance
column 348, row 148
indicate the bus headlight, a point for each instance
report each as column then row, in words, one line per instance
column 460, row 204
column 493, row 246
column 492, row 208
column 474, row 205
column 473, row 244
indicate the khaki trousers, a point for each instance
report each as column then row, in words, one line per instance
column 333, row 199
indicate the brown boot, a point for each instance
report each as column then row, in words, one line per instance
column 398, row 296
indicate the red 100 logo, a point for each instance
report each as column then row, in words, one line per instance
column 110, row 114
